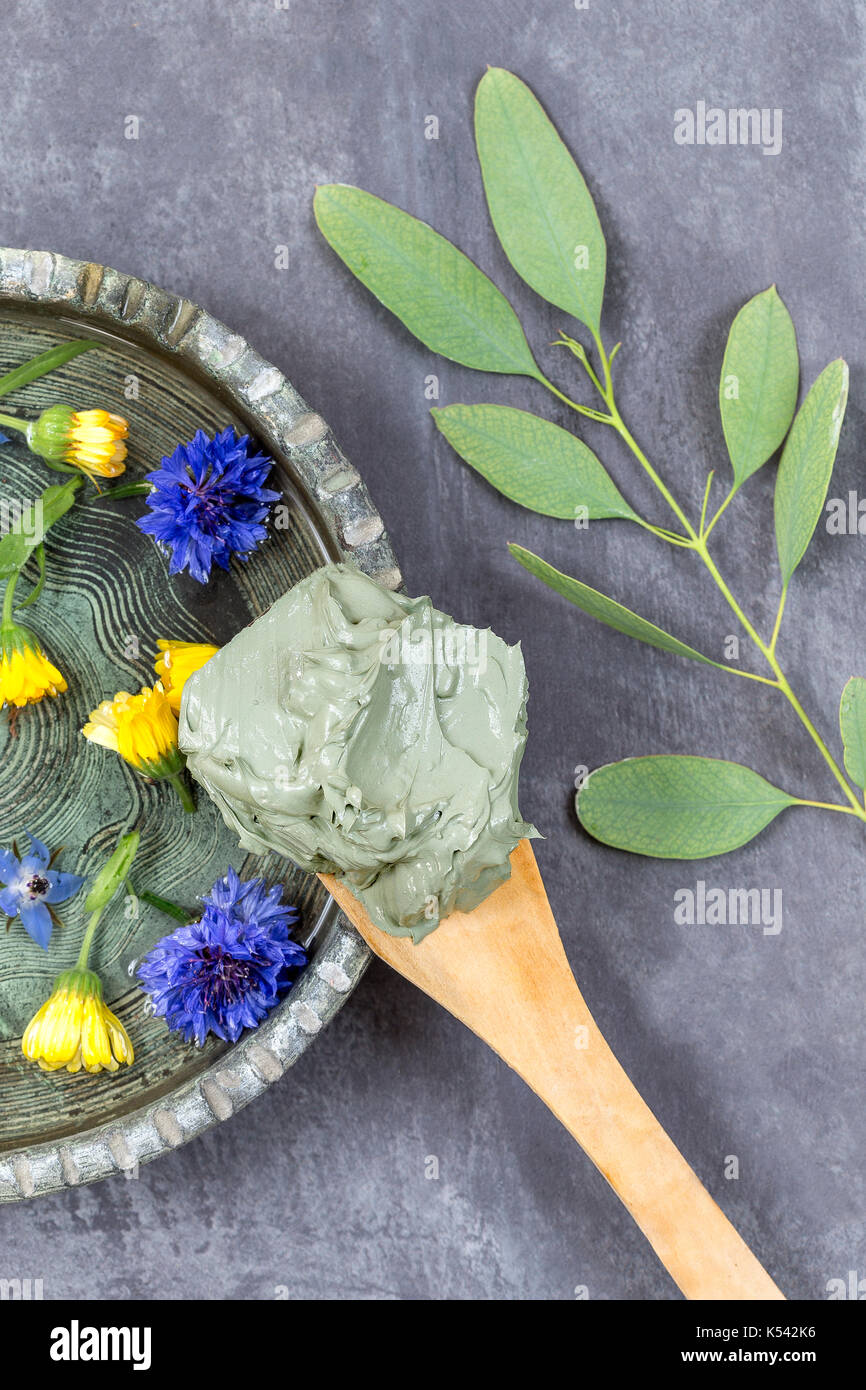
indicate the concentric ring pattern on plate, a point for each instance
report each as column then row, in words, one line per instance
column 169, row 368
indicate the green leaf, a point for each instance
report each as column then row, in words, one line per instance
column 806, row 465
column 40, row 583
column 18, row 545
column 437, row 292
column 672, row 807
column 42, row 364
column 539, row 204
column 606, row 610
column 758, row 386
column 852, row 722
column 532, row 461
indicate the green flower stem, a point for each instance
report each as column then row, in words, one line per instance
column 186, row 799
column 12, row 422
column 172, row 909
column 83, row 954
column 44, row 363
column 8, row 600
column 698, row 542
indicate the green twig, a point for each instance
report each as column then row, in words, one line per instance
column 698, row 541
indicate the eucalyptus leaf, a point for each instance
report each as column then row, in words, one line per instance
column 437, row 292
column 539, row 203
column 852, row 722
column 606, row 610
column 532, row 461
column 759, row 382
column 672, row 807
column 806, row 465
column 17, row 546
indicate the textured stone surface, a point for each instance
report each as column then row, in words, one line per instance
column 744, row 1044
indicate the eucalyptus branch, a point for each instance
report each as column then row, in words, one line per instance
column 673, row 806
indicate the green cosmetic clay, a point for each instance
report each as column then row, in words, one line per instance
column 368, row 735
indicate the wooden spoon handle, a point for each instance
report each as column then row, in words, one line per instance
column 502, row 970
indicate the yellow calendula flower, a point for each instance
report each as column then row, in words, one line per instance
column 142, row 729
column 76, row 1029
column 26, row 674
column 176, row 662
column 92, row 440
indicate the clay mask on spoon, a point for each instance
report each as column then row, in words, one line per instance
column 367, row 735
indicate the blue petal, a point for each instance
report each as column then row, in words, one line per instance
column 9, row 901
column 63, row 887
column 37, row 921
column 8, row 865
column 38, row 851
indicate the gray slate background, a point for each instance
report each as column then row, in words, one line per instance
column 744, row 1044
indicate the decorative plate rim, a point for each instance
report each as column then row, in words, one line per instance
column 283, row 420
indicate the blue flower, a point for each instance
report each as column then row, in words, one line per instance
column 31, row 887
column 209, row 502
column 225, row 972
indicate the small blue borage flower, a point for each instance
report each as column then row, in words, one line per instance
column 31, row 887
column 226, row 971
column 209, row 502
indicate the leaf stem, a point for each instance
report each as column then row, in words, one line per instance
column 710, row 476
column 778, row 623
column 575, row 405
column 730, row 497
column 625, row 434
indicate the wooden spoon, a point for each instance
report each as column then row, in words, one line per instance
column 503, row 972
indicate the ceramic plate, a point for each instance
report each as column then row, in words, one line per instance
column 170, row 369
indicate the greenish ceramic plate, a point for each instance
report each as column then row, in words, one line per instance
column 170, row 369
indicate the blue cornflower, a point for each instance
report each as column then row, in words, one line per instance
column 31, row 887
column 209, row 502
column 226, row 971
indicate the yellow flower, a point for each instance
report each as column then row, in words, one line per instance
column 92, row 440
column 76, row 1029
column 141, row 728
column 26, row 674
column 175, row 664
column 96, row 443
